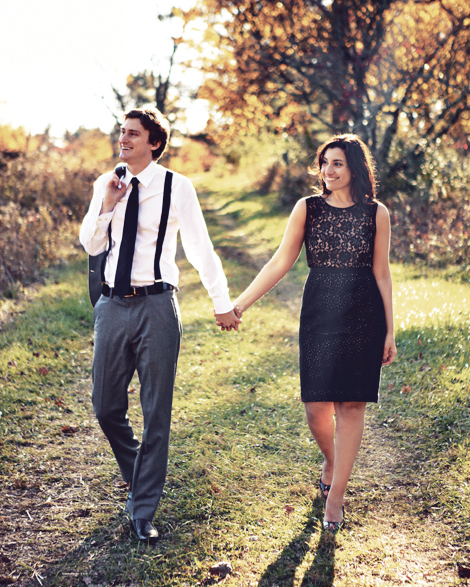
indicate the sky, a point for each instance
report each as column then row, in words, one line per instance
column 60, row 59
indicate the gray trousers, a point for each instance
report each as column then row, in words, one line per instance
column 140, row 334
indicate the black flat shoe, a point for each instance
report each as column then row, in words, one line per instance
column 323, row 488
column 333, row 527
column 144, row 530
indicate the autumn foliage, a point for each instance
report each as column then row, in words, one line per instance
column 395, row 72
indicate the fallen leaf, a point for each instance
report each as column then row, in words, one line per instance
column 43, row 370
column 464, row 572
column 288, row 509
column 131, row 390
column 69, row 430
column 221, row 569
column 11, row 363
column 406, row 389
column 390, row 386
column 443, row 367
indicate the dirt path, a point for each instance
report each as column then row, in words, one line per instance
column 386, row 494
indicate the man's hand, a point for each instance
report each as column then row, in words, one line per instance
column 113, row 194
column 227, row 321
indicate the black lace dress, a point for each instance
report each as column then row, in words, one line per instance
column 342, row 322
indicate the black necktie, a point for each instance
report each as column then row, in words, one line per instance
column 122, row 281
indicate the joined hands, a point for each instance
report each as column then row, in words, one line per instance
column 229, row 320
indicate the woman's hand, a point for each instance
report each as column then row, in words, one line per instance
column 228, row 320
column 390, row 350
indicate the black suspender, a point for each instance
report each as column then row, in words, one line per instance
column 163, row 224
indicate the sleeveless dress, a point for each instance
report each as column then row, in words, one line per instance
column 342, row 321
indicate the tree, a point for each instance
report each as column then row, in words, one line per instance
column 157, row 87
column 393, row 71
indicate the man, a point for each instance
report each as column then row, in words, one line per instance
column 137, row 321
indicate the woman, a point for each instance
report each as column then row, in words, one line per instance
column 346, row 322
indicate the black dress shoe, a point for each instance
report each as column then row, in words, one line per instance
column 144, row 530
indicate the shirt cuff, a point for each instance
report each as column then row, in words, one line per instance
column 104, row 220
column 222, row 304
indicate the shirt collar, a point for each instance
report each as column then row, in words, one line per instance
column 146, row 176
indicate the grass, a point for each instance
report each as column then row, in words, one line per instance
column 243, row 468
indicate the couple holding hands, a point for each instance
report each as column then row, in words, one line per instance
column 346, row 321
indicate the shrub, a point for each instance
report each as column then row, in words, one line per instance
column 44, row 194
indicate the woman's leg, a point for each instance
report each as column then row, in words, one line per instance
column 320, row 420
column 349, row 429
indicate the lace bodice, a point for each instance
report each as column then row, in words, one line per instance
column 339, row 237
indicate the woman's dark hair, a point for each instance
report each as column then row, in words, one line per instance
column 157, row 125
column 360, row 162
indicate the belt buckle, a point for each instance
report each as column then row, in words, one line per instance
column 133, row 294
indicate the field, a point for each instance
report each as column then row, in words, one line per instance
column 243, row 468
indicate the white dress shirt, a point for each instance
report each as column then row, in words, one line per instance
column 185, row 215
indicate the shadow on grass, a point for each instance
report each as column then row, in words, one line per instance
column 281, row 572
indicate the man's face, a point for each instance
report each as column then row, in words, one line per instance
column 134, row 143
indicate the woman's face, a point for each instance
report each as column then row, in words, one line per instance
column 335, row 171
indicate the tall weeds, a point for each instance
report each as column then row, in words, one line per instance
column 43, row 196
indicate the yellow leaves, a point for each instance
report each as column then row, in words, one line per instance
column 211, row 36
column 16, row 139
column 425, row 16
column 177, row 12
